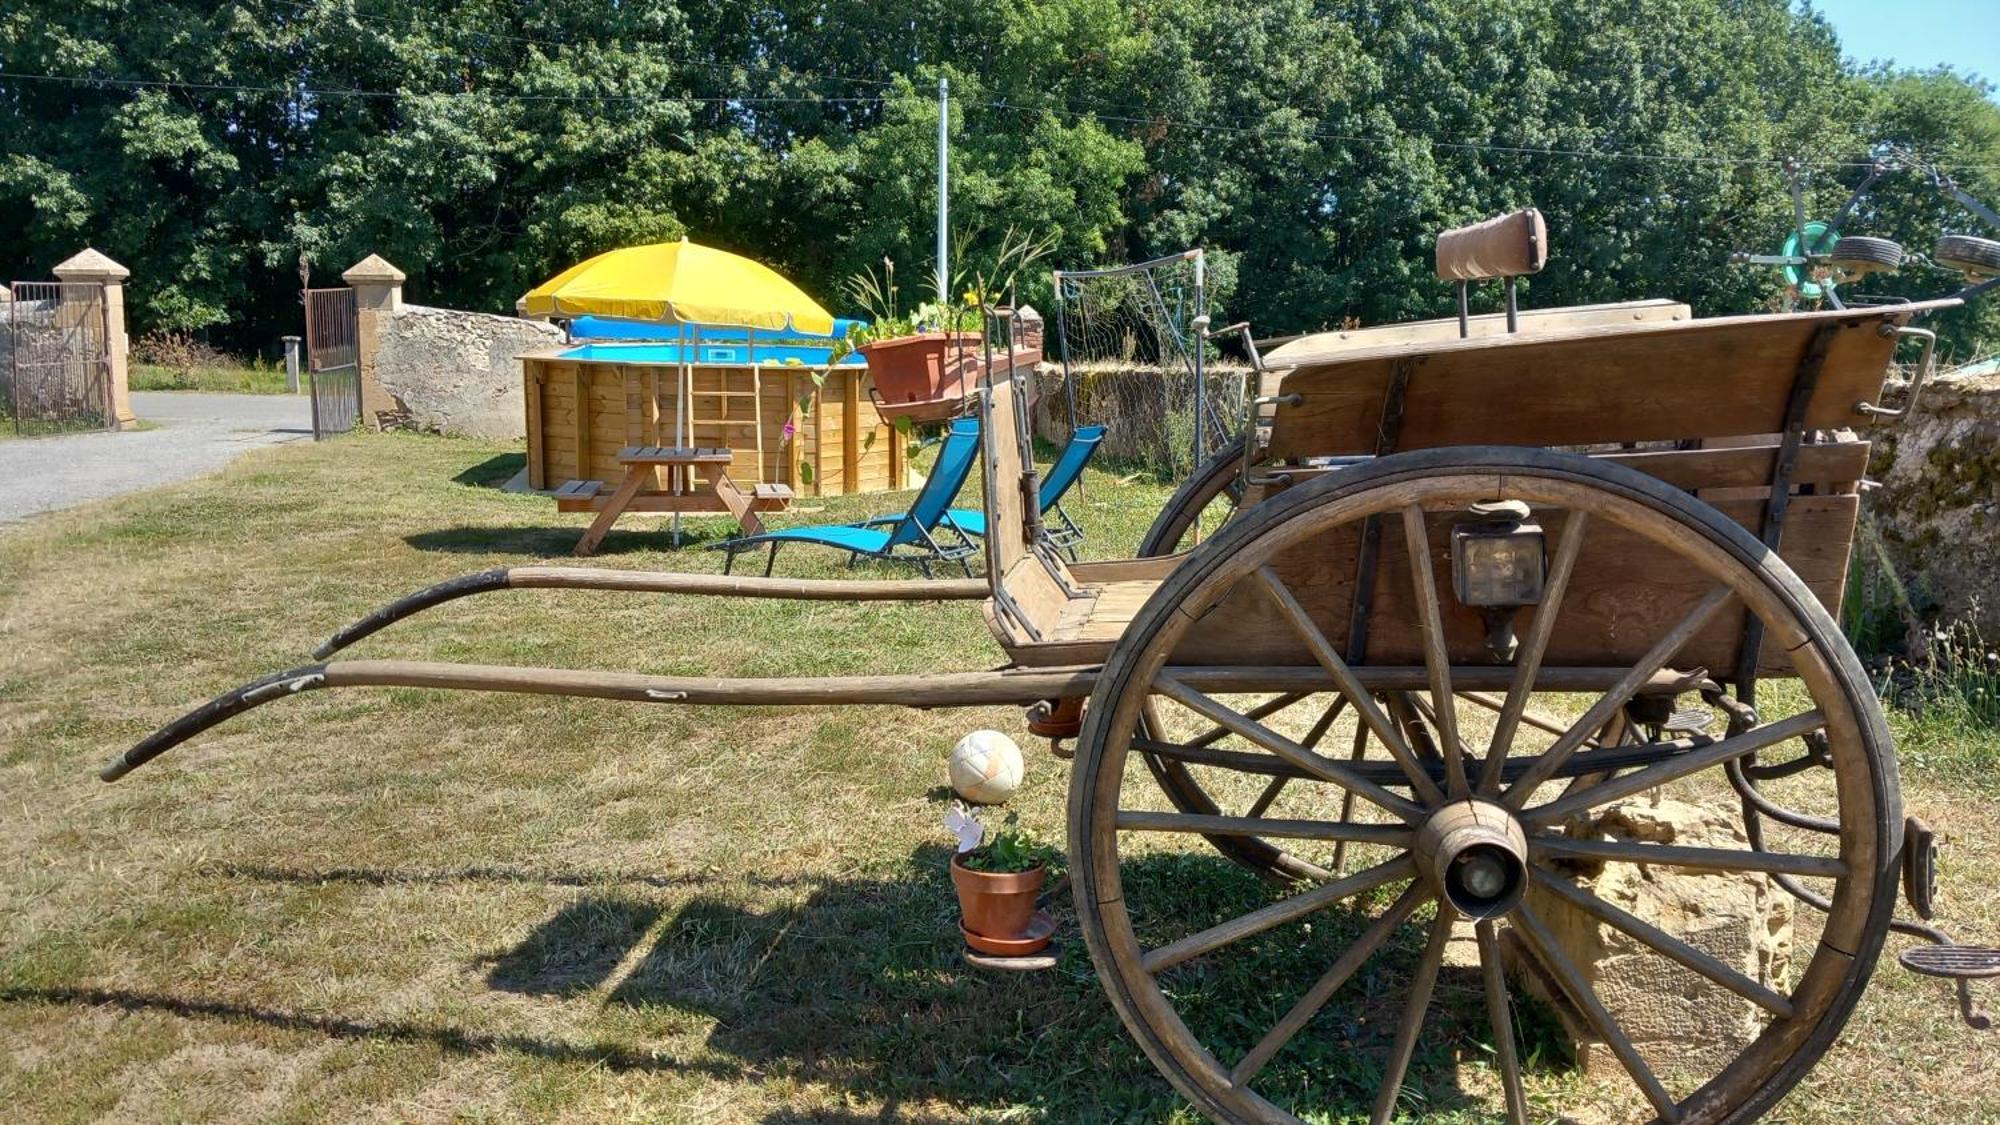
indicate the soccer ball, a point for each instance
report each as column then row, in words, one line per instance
column 985, row 767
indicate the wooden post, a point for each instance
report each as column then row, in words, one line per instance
column 899, row 468
column 757, row 419
column 582, row 406
column 635, row 432
column 531, row 393
column 850, row 433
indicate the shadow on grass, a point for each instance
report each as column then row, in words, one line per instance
column 384, row 877
column 861, row 985
column 576, row 950
column 455, row 1040
column 552, row 542
column 494, row 471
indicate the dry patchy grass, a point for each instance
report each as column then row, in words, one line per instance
column 422, row 905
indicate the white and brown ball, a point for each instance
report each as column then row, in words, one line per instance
column 985, row 767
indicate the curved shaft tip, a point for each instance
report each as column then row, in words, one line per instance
column 451, row 588
column 223, row 707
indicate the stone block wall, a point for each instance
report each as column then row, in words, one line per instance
column 1939, row 505
column 441, row 371
column 452, row 372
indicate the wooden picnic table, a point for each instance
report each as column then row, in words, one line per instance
column 666, row 478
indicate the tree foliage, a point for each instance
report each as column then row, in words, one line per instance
column 1315, row 146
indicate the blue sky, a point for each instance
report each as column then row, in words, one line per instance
column 1920, row 33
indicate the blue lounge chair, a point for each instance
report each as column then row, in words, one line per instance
column 1063, row 475
column 915, row 532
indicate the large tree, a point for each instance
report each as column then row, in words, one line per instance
column 1314, row 146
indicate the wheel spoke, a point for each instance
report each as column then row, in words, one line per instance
column 1277, row 914
column 1215, row 734
column 1421, row 986
column 1672, row 769
column 1600, row 712
column 1351, row 959
column 1529, row 660
column 1731, row 860
column 1347, row 796
column 1585, row 998
column 1349, row 684
column 1497, row 1010
column 1265, row 799
column 1241, row 761
column 1668, row 945
column 1277, row 784
column 1528, row 718
column 1437, row 661
column 1325, row 722
column 1313, row 763
column 1141, row 820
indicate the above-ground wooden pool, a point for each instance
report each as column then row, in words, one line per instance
column 585, row 403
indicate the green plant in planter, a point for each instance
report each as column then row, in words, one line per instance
column 876, row 294
column 1005, row 850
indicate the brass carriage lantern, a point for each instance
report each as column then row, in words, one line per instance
column 1499, row 560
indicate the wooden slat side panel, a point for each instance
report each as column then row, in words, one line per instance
column 1651, row 382
column 587, row 412
column 1625, row 593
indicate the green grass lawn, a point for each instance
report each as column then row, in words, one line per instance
column 412, row 904
column 254, row 378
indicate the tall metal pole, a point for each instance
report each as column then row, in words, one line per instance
column 1200, row 346
column 944, row 194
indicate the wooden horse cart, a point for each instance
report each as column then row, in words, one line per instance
column 1524, row 576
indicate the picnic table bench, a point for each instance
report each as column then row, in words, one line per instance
column 668, row 478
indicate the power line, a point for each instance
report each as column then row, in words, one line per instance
column 548, row 44
column 998, row 104
column 1151, row 120
column 338, row 92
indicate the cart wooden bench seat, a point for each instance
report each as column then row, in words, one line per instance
column 1528, row 575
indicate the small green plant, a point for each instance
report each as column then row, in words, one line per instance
column 1956, row 679
column 1006, row 850
column 876, row 294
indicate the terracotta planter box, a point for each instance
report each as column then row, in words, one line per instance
column 921, row 368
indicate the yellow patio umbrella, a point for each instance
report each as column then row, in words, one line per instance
column 680, row 283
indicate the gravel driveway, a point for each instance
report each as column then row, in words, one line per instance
column 197, row 434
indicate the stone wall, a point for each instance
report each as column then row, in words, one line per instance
column 1128, row 400
column 454, row 372
column 1939, row 505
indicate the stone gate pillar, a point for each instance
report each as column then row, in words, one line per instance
column 378, row 294
column 90, row 265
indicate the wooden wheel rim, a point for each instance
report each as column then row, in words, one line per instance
column 1865, row 781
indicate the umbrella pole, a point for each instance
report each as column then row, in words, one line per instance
column 683, row 429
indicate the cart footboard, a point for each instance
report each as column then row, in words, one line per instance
column 649, row 582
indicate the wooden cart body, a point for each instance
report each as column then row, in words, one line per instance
column 1738, row 411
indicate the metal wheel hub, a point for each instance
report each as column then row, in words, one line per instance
column 1475, row 854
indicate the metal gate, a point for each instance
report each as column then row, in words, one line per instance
column 332, row 360
column 57, row 367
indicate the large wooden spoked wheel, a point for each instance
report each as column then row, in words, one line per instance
column 1261, row 1005
column 1206, row 501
